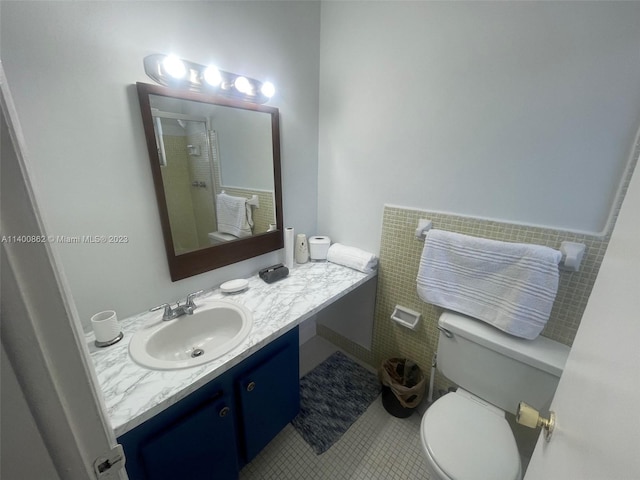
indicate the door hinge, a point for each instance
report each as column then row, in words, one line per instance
column 108, row 465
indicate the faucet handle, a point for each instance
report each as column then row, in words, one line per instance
column 191, row 296
column 168, row 312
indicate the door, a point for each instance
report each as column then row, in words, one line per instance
column 597, row 435
column 269, row 394
column 199, row 445
column 40, row 329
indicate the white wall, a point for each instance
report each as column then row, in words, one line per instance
column 71, row 67
column 242, row 163
column 518, row 111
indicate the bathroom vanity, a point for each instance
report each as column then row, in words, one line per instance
column 220, row 427
column 192, row 422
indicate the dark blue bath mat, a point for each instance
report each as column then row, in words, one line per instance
column 332, row 396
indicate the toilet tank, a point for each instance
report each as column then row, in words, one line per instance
column 498, row 367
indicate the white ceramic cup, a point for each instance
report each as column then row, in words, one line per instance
column 105, row 326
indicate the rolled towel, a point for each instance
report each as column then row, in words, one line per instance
column 352, row 257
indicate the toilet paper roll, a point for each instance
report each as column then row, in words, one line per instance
column 105, row 326
column 289, row 244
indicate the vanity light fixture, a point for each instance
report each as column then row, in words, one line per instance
column 174, row 67
column 268, row 89
column 171, row 71
column 242, row 85
column 212, row 76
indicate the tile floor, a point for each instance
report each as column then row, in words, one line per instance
column 378, row 446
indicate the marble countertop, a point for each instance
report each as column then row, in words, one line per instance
column 133, row 394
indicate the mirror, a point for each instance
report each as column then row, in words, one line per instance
column 215, row 164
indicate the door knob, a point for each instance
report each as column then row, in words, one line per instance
column 530, row 417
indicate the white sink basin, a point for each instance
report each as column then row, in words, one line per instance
column 213, row 330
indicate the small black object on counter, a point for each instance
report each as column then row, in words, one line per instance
column 273, row 273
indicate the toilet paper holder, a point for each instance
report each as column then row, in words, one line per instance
column 406, row 317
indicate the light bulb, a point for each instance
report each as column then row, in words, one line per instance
column 242, row 85
column 268, row 89
column 212, row 76
column 174, row 66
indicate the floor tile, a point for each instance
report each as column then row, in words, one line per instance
column 378, row 446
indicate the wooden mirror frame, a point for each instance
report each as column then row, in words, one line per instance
column 209, row 258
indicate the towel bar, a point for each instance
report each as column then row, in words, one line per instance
column 572, row 252
column 254, row 201
column 424, row 226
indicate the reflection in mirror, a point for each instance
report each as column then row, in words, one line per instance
column 216, row 169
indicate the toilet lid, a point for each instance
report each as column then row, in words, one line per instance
column 470, row 441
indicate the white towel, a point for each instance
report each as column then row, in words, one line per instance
column 511, row 286
column 352, row 257
column 234, row 215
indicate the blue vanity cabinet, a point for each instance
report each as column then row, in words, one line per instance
column 195, row 438
column 268, row 393
column 217, row 429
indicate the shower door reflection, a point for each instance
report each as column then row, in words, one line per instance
column 187, row 168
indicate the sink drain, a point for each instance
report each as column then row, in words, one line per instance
column 197, row 352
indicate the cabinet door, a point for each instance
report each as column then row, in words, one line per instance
column 199, row 445
column 269, row 398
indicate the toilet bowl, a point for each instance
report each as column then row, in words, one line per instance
column 465, row 438
column 465, row 434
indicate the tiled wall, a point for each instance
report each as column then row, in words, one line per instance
column 399, row 259
column 400, row 253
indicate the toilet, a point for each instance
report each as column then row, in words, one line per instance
column 218, row 238
column 465, row 434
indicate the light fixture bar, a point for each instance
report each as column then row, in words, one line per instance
column 171, row 71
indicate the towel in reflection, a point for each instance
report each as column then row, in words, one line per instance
column 234, row 215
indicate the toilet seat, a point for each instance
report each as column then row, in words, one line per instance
column 467, row 439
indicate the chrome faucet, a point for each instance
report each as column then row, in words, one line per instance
column 179, row 310
column 189, row 306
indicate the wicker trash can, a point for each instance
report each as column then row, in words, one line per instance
column 403, row 386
